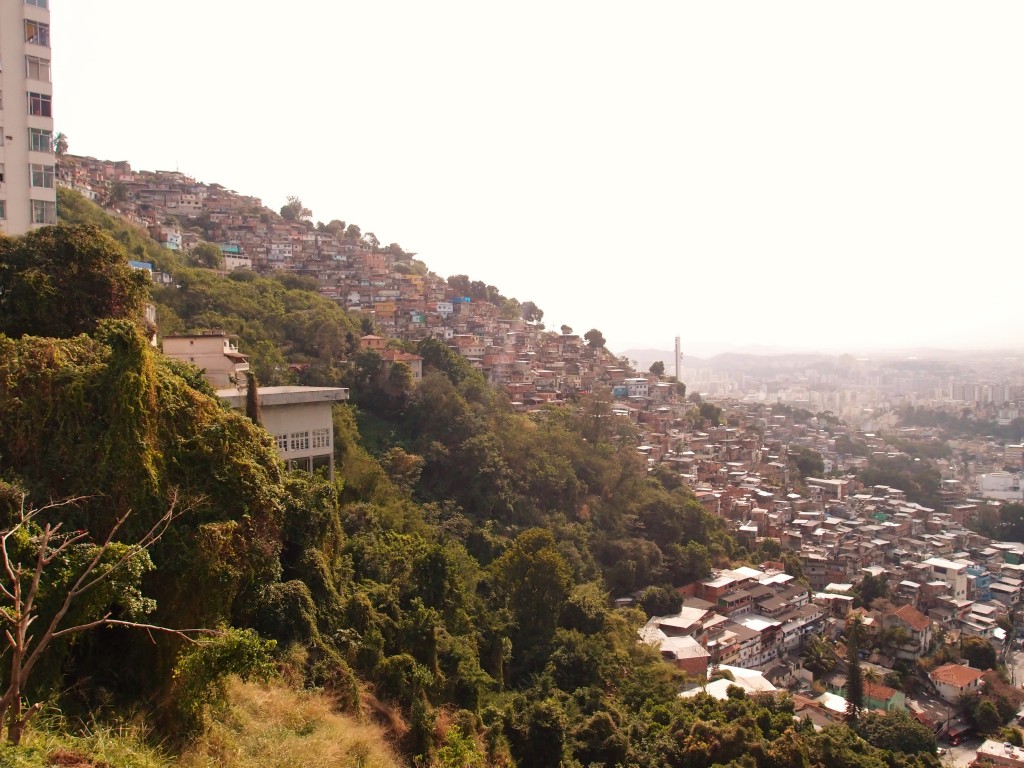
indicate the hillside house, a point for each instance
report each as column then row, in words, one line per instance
column 300, row 420
column 216, row 355
column 954, row 680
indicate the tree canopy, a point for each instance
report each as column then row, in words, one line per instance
column 294, row 210
column 595, row 339
column 64, row 280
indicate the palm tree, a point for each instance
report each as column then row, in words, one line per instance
column 870, row 675
column 817, row 656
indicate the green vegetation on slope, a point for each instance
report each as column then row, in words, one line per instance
column 454, row 581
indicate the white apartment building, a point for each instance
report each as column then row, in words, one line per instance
column 953, row 572
column 28, row 194
column 637, row 387
column 1001, row 485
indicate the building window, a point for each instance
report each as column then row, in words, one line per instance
column 321, row 438
column 3, row 209
column 40, row 104
column 300, row 441
column 37, row 69
column 2, row 177
column 281, row 441
column 44, row 212
column 40, row 140
column 38, row 3
column 37, row 32
column 42, row 175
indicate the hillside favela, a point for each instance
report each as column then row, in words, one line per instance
column 276, row 493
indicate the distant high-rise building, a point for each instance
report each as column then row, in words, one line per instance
column 28, row 194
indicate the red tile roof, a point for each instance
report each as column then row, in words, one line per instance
column 955, row 674
column 397, row 355
column 877, row 691
column 913, row 617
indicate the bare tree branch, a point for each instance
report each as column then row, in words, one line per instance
column 25, row 581
column 184, row 634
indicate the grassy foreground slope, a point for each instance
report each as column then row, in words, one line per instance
column 261, row 726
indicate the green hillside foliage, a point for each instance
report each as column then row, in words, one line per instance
column 73, row 208
column 454, row 583
column 278, row 320
column 62, row 281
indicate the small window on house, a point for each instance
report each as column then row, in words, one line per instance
column 3, row 209
column 2, row 177
column 321, row 438
column 38, row 3
column 37, row 33
column 300, row 441
column 281, row 441
column 40, row 104
column 37, row 69
column 40, row 140
column 42, row 175
column 44, row 212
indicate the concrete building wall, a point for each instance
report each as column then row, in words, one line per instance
column 299, row 419
column 25, row 51
column 216, row 355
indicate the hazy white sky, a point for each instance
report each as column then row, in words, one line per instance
column 813, row 175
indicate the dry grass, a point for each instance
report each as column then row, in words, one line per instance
column 53, row 743
column 276, row 727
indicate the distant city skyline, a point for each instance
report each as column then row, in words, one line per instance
column 789, row 176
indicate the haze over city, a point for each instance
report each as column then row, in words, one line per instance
column 784, row 176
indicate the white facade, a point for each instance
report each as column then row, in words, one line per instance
column 233, row 262
column 637, row 387
column 300, row 420
column 954, row 573
column 28, row 194
column 1001, row 485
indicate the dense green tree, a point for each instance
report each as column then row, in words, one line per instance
column 986, row 717
column 806, row 462
column 595, row 339
column 658, row 368
column 711, row 414
column 532, row 581
column 531, row 312
column 60, row 145
column 538, row 733
column 294, row 210
column 660, row 601
column 978, row 652
column 869, row 589
column 207, row 255
column 919, row 479
column 896, row 731
column 817, row 656
column 64, row 280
